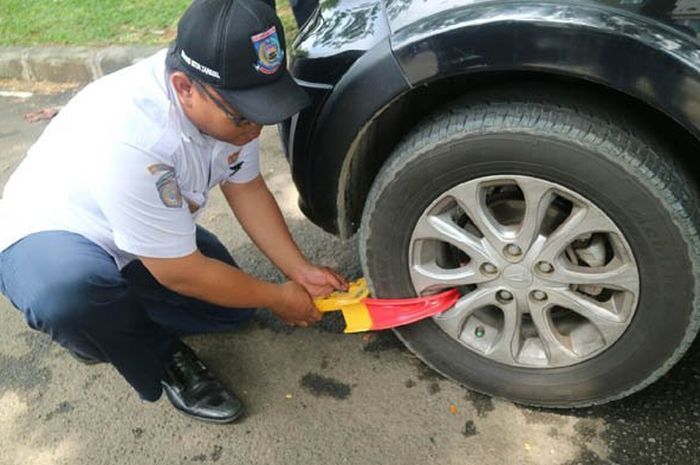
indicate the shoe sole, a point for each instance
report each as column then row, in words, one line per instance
column 84, row 360
column 212, row 420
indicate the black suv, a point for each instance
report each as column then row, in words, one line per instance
column 541, row 156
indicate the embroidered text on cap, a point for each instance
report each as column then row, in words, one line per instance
column 198, row 66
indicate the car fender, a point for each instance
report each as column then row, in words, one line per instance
column 372, row 82
column 644, row 58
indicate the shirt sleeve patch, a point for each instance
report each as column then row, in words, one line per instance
column 168, row 189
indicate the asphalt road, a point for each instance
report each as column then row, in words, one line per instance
column 314, row 396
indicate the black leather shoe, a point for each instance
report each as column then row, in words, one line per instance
column 84, row 359
column 193, row 390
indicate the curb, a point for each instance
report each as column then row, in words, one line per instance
column 68, row 64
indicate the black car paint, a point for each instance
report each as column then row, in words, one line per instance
column 356, row 57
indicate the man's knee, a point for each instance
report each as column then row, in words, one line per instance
column 74, row 301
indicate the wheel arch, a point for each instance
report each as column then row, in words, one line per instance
column 377, row 139
column 586, row 47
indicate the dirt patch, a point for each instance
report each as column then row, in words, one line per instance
column 61, row 409
column 535, row 416
column 586, row 430
column 383, row 341
column 481, row 402
column 425, row 373
column 469, row 429
column 216, row 455
column 433, row 388
column 213, row 456
column 26, row 372
column 323, row 386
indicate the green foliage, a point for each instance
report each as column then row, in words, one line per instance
column 99, row 22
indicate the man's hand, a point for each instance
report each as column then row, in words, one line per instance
column 295, row 306
column 260, row 216
column 319, row 281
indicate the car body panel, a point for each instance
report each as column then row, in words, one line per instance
column 373, row 80
column 646, row 59
column 358, row 56
column 338, row 34
column 683, row 14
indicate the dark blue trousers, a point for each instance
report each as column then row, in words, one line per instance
column 71, row 289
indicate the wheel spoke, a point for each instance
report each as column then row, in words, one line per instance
column 432, row 277
column 506, row 348
column 558, row 353
column 609, row 323
column 470, row 198
column 441, row 228
column 538, row 197
column 583, row 220
column 617, row 276
column 453, row 320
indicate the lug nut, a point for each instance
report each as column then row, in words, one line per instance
column 504, row 296
column 545, row 267
column 539, row 296
column 489, row 268
column 513, row 250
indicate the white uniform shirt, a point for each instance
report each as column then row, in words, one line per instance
column 123, row 166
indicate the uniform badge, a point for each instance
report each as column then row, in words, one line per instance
column 234, row 165
column 168, row 189
column 235, row 168
column 269, row 51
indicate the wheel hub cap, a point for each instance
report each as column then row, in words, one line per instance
column 518, row 276
column 548, row 279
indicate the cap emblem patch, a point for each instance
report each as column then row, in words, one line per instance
column 268, row 50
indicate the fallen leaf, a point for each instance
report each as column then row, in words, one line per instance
column 528, row 447
column 44, row 114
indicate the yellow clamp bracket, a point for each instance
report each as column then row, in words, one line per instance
column 355, row 313
column 356, row 292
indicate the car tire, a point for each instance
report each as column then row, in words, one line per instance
column 598, row 152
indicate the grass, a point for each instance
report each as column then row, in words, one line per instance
column 99, row 22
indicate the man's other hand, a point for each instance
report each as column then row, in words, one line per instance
column 295, row 306
column 319, row 281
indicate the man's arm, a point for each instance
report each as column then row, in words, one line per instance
column 261, row 218
column 216, row 282
column 141, row 200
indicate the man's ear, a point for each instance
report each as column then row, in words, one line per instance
column 184, row 87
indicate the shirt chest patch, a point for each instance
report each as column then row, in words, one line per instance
column 233, row 157
column 234, row 166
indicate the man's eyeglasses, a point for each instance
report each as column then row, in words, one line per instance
column 237, row 119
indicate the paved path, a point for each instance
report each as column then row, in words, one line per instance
column 314, row 396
